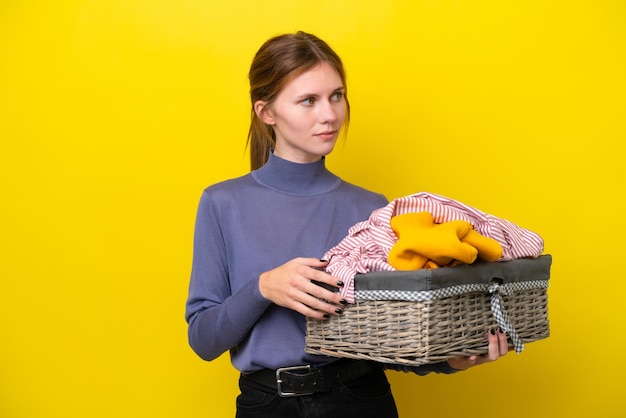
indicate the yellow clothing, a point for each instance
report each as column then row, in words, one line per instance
column 425, row 244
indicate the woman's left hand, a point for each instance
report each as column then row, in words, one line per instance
column 498, row 347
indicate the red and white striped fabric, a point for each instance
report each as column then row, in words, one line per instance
column 368, row 243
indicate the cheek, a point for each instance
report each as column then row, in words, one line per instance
column 299, row 121
column 289, row 125
column 288, row 117
column 341, row 114
column 342, row 109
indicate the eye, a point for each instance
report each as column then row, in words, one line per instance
column 308, row 101
column 337, row 97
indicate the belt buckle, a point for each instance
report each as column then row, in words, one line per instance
column 279, row 380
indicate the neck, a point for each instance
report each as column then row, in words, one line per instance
column 300, row 179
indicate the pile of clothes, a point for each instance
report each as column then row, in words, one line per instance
column 425, row 230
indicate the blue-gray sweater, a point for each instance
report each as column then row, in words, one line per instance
column 252, row 224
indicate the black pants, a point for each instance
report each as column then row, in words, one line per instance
column 367, row 396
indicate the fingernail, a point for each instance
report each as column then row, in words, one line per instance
column 339, row 283
column 326, row 316
column 338, row 311
column 343, row 302
column 492, row 331
column 501, row 331
column 323, row 261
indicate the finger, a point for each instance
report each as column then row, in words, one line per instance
column 325, row 286
column 323, row 277
column 310, row 287
column 322, row 264
column 308, row 311
column 299, row 300
column 326, row 294
column 503, row 344
column 322, row 304
column 309, row 305
column 493, row 351
column 312, row 262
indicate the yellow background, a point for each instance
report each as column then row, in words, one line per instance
column 114, row 115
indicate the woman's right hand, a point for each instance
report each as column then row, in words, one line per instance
column 498, row 347
column 291, row 286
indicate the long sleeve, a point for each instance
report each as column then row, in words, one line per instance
column 218, row 320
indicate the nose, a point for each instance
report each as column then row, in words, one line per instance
column 328, row 112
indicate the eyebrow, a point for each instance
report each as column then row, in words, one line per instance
column 337, row 90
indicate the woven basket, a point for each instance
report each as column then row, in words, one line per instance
column 427, row 316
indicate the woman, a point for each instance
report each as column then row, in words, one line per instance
column 258, row 239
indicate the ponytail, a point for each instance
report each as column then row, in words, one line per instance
column 261, row 141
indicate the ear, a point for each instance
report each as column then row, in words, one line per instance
column 264, row 112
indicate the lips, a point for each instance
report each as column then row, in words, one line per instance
column 326, row 134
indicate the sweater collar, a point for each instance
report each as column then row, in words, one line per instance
column 296, row 178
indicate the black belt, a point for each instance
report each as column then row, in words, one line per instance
column 306, row 380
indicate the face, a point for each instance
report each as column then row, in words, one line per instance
column 307, row 115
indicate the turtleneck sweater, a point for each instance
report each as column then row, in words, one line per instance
column 252, row 224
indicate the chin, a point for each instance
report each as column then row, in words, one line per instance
column 327, row 150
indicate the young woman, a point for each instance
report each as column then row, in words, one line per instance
column 258, row 239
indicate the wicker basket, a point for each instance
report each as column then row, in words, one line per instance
column 426, row 316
